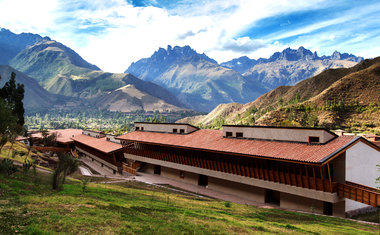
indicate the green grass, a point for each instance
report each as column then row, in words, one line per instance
column 6, row 152
column 31, row 207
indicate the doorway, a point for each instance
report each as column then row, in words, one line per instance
column 157, row 170
column 203, row 180
column 272, row 196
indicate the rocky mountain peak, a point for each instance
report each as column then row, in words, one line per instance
column 177, row 54
column 293, row 55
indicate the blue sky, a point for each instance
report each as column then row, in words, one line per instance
column 114, row 33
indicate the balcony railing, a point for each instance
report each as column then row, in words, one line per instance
column 359, row 193
column 233, row 167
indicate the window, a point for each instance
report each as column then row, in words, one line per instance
column 313, row 139
column 137, row 128
column 108, row 138
column 239, row 134
column 142, row 128
column 174, row 130
column 228, row 134
column 181, row 131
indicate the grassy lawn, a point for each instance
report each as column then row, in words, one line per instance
column 19, row 147
column 29, row 206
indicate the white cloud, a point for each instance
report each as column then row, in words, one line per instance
column 112, row 34
column 27, row 16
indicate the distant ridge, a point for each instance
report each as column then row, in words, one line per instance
column 345, row 98
column 289, row 66
column 195, row 79
column 11, row 44
column 36, row 98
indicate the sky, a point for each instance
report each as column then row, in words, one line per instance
column 114, row 33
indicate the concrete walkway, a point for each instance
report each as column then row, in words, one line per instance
column 84, row 171
column 102, row 172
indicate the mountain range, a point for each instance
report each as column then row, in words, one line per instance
column 65, row 74
column 175, row 78
column 198, row 81
column 289, row 66
column 336, row 98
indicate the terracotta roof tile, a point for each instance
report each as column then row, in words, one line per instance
column 63, row 135
column 100, row 144
column 214, row 141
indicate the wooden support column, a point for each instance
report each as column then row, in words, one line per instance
column 230, row 167
column 315, row 179
column 113, row 157
column 252, row 170
column 247, row 170
column 328, row 169
column 220, row 165
column 307, row 177
column 322, row 178
column 301, row 175
column 241, row 167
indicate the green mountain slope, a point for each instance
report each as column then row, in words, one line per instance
column 48, row 59
column 36, row 98
column 337, row 98
column 62, row 71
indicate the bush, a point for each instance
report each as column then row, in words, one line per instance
column 7, row 167
column 26, row 166
column 85, row 181
column 227, row 204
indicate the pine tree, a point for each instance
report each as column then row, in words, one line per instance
column 13, row 94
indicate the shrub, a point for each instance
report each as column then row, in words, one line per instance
column 7, row 167
column 26, row 166
column 227, row 204
column 85, row 181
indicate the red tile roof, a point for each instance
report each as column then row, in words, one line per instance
column 100, row 144
column 213, row 140
column 63, row 136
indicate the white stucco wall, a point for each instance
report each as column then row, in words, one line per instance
column 112, row 139
column 361, row 161
column 283, row 134
column 95, row 134
column 157, row 127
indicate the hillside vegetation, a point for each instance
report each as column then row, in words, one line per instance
column 29, row 206
column 337, row 98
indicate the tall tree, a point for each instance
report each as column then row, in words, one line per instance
column 13, row 94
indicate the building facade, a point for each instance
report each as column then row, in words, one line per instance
column 296, row 168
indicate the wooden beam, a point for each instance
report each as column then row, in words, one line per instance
column 307, row 177
column 328, row 169
column 315, row 179
column 322, row 178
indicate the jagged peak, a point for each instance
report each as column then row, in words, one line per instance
column 178, row 53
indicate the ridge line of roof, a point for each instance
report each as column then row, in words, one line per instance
column 233, row 153
column 340, row 149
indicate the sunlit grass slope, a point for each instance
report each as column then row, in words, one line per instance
column 28, row 205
